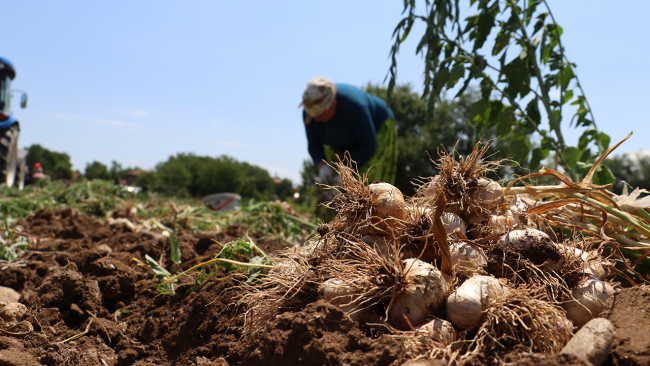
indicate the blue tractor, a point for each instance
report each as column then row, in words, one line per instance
column 13, row 166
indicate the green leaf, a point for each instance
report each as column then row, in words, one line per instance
column 244, row 248
column 176, row 250
column 587, row 137
column 517, row 76
column 477, row 112
column 567, row 76
column 519, row 148
column 502, row 40
column 532, row 110
column 604, row 140
column 200, row 278
column 506, row 121
column 484, row 25
column 457, row 72
column 493, row 111
column 567, row 96
column 440, row 79
column 538, row 155
column 572, row 156
column 604, row 175
column 157, row 268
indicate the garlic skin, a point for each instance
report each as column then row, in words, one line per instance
column 465, row 306
column 439, row 330
column 489, row 191
column 594, row 264
column 530, row 238
column 336, row 293
column 466, row 258
column 589, row 300
column 424, row 292
column 524, row 238
column 501, row 223
column 432, row 188
column 378, row 242
column 389, row 209
column 453, row 222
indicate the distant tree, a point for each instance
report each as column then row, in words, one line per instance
column 97, row 170
column 284, row 189
column 116, row 171
column 188, row 175
column 57, row 165
column 633, row 169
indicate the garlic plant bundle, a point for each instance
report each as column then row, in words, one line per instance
column 438, row 329
column 389, row 209
column 537, row 246
column 424, row 291
column 589, row 298
column 467, row 258
column 465, row 306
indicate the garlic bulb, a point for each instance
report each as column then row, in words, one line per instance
column 589, row 298
column 337, row 293
column 389, row 209
column 453, row 222
column 538, row 245
column 424, row 292
column 489, row 191
column 593, row 266
column 378, row 242
column 439, row 330
column 465, row 306
column 467, row 258
column 501, row 223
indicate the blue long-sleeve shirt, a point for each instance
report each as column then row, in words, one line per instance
column 353, row 128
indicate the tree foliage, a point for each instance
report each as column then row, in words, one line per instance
column 630, row 168
column 97, row 170
column 523, row 74
column 57, row 165
column 188, row 175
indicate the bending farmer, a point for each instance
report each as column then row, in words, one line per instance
column 339, row 118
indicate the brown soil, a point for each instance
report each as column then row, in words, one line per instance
column 81, row 276
column 629, row 311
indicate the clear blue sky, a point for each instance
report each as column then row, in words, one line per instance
column 138, row 81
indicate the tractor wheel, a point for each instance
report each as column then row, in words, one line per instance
column 8, row 155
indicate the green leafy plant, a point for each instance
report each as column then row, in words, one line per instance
column 167, row 284
column 244, row 251
column 523, row 75
column 13, row 244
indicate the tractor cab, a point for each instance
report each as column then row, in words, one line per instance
column 12, row 161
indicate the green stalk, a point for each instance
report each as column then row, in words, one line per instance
column 640, row 226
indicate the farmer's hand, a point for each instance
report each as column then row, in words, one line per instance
column 325, row 174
